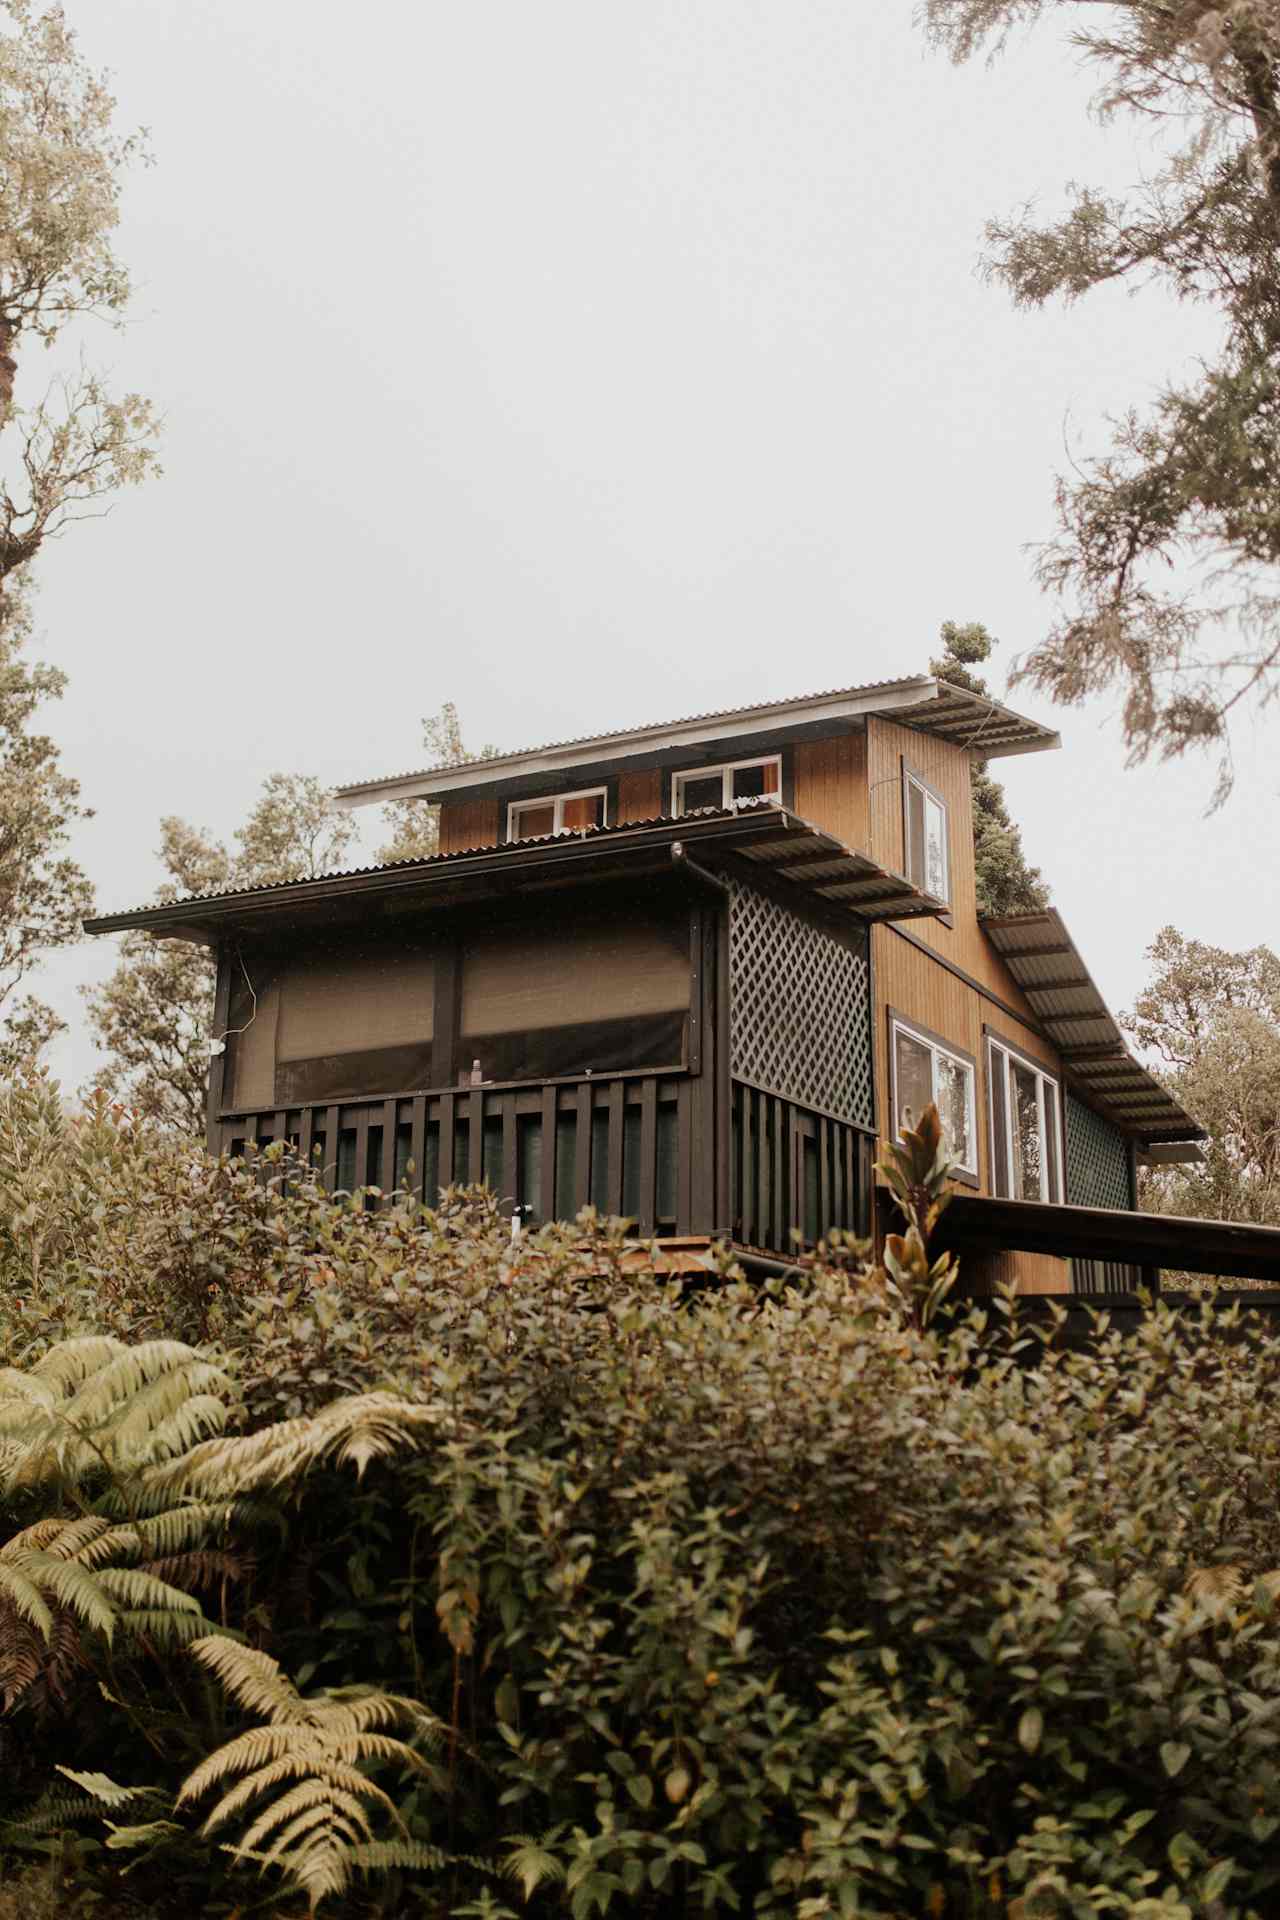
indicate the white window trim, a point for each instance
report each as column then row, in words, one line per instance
column 557, row 801
column 1048, row 1106
column 898, row 1025
column 927, row 793
column 726, row 772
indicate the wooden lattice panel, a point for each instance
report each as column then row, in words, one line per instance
column 1097, row 1160
column 801, row 1009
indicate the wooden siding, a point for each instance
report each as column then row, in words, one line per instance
column 465, row 824
column 831, row 787
column 946, row 768
column 639, row 796
column 912, row 982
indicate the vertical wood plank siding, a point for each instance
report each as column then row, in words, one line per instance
column 831, row 787
column 466, row 824
column 639, row 796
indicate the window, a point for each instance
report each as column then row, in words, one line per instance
column 1026, row 1137
column 557, row 813
column 722, row 786
column 925, row 836
column 926, row 1069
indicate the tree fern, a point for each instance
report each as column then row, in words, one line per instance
column 318, row 1823
column 352, row 1431
column 96, row 1406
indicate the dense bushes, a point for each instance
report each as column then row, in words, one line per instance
column 653, row 1601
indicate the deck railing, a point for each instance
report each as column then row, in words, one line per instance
column 617, row 1142
column 797, row 1174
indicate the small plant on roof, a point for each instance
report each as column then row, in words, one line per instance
column 917, row 1170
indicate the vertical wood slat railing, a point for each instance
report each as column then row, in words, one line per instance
column 797, row 1175
column 615, row 1143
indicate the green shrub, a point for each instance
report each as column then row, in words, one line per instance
column 787, row 1600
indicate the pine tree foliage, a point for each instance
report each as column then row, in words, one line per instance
column 1005, row 881
column 1165, row 563
column 311, row 1757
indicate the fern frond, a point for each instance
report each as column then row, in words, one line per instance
column 163, row 1627
column 252, row 1678
column 319, row 1830
column 101, row 1787
column 24, row 1596
column 138, row 1590
column 352, row 1431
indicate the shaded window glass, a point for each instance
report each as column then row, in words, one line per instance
column 999, row 1125
column 1027, row 1144
column 915, row 835
column 935, row 839
column 587, row 811
column 953, row 1107
column 750, row 783
column 702, row 792
column 913, row 1078
column 529, row 822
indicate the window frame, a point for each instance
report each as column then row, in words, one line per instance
column 936, row 1043
column 557, row 801
column 911, row 777
column 726, row 769
column 1046, row 1079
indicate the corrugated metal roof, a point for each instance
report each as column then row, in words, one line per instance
column 1044, row 960
column 771, row 836
column 929, row 705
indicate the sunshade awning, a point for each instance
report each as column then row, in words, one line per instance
column 1046, row 963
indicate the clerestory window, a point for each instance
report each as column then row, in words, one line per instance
column 557, row 813
column 722, row 786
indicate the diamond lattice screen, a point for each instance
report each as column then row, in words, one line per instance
column 801, row 1010
column 1097, row 1160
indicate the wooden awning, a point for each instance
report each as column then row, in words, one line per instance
column 760, row 835
column 1046, row 963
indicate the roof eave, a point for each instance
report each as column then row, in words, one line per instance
column 739, row 723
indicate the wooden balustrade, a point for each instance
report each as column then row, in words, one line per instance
column 616, row 1142
column 797, row 1175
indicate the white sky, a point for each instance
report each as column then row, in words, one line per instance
column 587, row 365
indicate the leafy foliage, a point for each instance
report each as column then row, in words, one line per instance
column 414, row 825
column 509, row 1576
column 1212, row 1019
column 1168, row 544
column 1005, row 882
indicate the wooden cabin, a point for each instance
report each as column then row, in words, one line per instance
column 691, row 974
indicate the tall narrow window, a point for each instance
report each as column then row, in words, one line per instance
column 926, row 1069
column 925, row 833
column 558, row 813
column 1026, row 1143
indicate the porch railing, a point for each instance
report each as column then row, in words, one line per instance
column 797, row 1174
column 621, row 1143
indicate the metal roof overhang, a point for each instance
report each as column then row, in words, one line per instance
column 967, row 720
column 763, row 838
column 1045, row 962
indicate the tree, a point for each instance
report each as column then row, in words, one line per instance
column 1212, row 1018
column 1190, row 490
column 153, row 1017
column 44, row 895
column 61, row 165
column 415, row 824
column 1005, row 882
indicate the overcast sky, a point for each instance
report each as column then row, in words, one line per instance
column 588, row 365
